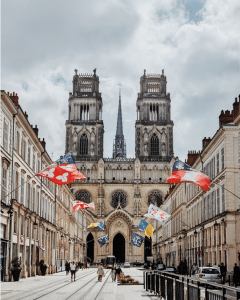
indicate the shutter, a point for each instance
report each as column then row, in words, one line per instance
column 214, row 203
column 223, row 198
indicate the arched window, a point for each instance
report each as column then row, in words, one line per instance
column 154, row 145
column 119, row 200
column 155, row 198
column 83, row 144
column 83, row 196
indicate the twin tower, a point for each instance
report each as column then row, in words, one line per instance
column 153, row 127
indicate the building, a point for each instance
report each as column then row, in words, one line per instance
column 204, row 227
column 35, row 213
column 120, row 187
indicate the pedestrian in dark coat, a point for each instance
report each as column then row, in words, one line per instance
column 67, row 267
column 236, row 275
column 223, row 271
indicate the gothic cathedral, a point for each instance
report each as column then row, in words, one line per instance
column 121, row 188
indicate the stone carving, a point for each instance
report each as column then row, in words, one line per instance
column 119, row 224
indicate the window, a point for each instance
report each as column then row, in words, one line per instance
column 5, row 135
column 83, row 196
column 15, row 222
column 38, row 166
column 16, row 185
column 29, row 156
column 155, row 198
column 222, row 157
column 22, row 190
column 28, row 195
column 33, row 200
column 34, row 163
column 217, row 163
column 18, row 141
column 214, row 203
column 218, row 202
column 223, row 198
column 4, row 184
column 154, row 145
column 119, row 199
column 23, row 150
column 83, row 144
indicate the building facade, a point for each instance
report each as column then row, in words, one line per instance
column 204, row 226
column 36, row 215
column 120, row 187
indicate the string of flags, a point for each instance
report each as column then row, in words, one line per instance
column 63, row 171
column 181, row 172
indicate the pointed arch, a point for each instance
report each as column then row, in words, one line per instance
column 83, row 149
column 154, row 145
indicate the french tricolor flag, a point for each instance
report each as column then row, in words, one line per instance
column 182, row 172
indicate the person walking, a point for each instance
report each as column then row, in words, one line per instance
column 113, row 274
column 73, row 271
column 223, row 271
column 100, row 272
column 67, row 267
column 236, row 275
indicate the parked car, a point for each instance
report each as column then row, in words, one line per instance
column 137, row 264
column 209, row 274
column 127, row 265
column 170, row 269
column 161, row 267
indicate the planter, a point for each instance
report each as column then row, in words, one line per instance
column 16, row 274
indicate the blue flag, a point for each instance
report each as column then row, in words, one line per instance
column 137, row 240
column 143, row 225
column 102, row 240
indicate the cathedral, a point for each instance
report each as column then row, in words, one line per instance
column 121, row 188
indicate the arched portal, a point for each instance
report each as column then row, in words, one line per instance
column 119, row 248
column 90, row 247
column 147, row 248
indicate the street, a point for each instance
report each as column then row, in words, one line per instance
column 59, row 286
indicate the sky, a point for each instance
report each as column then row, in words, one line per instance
column 197, row 43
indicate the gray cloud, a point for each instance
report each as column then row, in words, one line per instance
column 196, row 42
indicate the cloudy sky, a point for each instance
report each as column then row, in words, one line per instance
column 197, row 43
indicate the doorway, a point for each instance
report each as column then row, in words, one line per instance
column 90, row 247
column 119, row 248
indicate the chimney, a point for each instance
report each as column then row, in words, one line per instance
column 235, row 109
column 192, row 157
column 26, row 115
column 36, row 130
column 14, row 98
column 205, row 142
column 43, row 143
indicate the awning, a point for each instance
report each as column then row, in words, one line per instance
column 42, row 249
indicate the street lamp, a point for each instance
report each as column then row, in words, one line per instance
column 216, row 225
column 195, row 232
column 180, row 237
column 47, row 231
column 62, row 236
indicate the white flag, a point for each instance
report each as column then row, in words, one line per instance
column 156, row 213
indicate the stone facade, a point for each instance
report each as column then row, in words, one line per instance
column 204, row 227
column 120, row 187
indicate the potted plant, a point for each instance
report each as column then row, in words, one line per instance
column 43, row 267
column 16, row 268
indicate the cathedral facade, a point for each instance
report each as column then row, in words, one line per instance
column 121, row 188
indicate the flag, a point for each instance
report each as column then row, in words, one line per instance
column 63, row 171
column 146, row 228
column 77, row 205
column 98, row 225
column 182, row 172
column 137, row 240
column 102, row 240
column 156, row 213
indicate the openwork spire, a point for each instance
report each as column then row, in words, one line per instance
column 119, row 145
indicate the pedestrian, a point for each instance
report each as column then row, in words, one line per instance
column 67, row 267
column 236, row 275
column 73, row 271
column 223, row 271
column 194, row 268
column 100, row 272
column 113, row 274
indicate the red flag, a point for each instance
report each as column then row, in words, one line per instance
column 63, row 171
column 77, row 205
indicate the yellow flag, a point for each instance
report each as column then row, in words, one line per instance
column 149, row 231
column 93, row 225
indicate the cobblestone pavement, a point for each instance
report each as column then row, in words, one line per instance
column 59, row 286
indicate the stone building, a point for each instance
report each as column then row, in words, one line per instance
column 36, row 218
column 120, row 187
column 204, row 227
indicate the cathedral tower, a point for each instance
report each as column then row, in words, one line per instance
column 154, row 127
column 84, row 127
column 119, row 146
